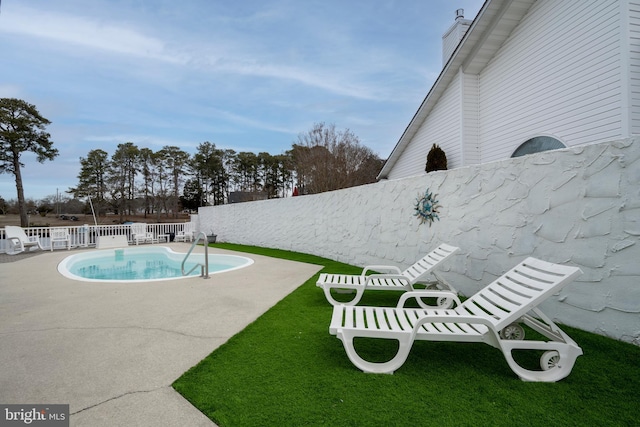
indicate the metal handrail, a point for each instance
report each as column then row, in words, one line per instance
column 204, row 268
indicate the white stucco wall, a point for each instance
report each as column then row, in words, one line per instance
column 579, row 206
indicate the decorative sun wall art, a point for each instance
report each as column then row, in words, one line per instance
column 427, row 207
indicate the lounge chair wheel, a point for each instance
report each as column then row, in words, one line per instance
column 549, row 360
column 445, row 303
column 512, row 332
column 431, row 286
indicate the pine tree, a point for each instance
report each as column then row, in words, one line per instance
column 436, row 159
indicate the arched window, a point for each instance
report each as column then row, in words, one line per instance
column 536, row 145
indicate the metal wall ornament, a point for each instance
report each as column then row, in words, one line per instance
column 427, row 207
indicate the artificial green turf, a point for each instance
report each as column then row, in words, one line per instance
column 286, row 370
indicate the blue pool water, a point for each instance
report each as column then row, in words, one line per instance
column 142, row 264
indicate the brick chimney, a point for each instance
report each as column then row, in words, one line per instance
column 454, row 34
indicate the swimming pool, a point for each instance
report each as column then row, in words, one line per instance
column 142, row 264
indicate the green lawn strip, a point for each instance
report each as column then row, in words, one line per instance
column 285, row 369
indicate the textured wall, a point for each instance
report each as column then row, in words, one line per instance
column 579, row 205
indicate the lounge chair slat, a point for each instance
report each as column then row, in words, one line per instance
column 349, row 317
column 337, row 320
column 527, row 282
column 402, row 320
column 514, row 287
column 500, row 304
column 390, row 315
column 360, row 319
column 548, row 277
column 506, row 293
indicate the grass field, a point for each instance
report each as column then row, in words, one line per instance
column 286, row 370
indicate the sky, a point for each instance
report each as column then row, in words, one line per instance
column 246, row 75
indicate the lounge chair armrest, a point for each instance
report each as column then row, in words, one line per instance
column 427, row 294
column 391, row 268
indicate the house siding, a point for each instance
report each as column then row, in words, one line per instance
column 441, row 127
column 634, row 64
column 470, row 119
column 558, row 74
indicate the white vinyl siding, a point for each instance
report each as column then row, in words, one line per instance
column 441, row 127
column 634, row 64
column 558, row 74
column 470, row 119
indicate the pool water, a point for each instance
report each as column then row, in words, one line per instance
column 143, row 264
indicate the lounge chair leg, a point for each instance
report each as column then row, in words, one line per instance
column 405, row 342
column 557, row 362
column 356, row 299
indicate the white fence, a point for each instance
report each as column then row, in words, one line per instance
column 86, row 235
column 579, row 206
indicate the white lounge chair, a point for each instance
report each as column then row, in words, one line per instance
column 185, row 234
column 396, row 280
column 18, row 241
column 140, row 234
column 490, row 316
column 59, row 235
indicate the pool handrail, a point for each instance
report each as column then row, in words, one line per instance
column 203, row 268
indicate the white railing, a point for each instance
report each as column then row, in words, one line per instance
column 86, row 235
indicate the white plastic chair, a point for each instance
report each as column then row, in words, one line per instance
column 19, row 241
column 395, row 280
column 139, row 233
column 186, row 234
column 59, row 235
column 490, row 316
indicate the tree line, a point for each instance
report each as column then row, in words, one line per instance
column 137, row 179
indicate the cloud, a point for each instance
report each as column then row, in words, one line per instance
column 257, row 124
column 221, row 53
column 86, row 32
column 320, row 79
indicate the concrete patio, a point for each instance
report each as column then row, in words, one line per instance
column 112, row 350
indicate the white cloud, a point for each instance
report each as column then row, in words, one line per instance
column 321, row 79
column 223, row 56
column 87, row 32
column 257, row 124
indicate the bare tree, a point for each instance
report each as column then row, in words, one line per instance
column 326, row 159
